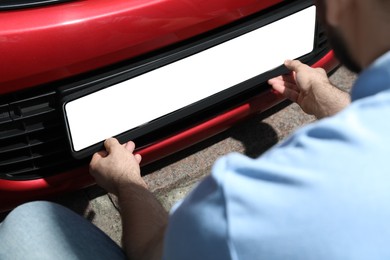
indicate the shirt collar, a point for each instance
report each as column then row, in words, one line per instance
column 375, row 79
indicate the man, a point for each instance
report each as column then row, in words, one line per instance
column 322, row 194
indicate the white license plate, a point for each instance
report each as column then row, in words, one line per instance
column 139, row 100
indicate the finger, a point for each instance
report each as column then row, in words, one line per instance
column 110, row 144
column 287, row 92
column 294, row 65
column 280, row 88
column 291, row 94
column 280, row 85
column 95, row 160
column 290, row 78
column 138, row 158
column 99, row 155
column 102, row 153
column 291, row 85
column 276, row 79
column 130, row 146
column 281, row 81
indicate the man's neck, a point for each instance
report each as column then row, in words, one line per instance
column 372, row 33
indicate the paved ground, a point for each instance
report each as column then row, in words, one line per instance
column 172, row 178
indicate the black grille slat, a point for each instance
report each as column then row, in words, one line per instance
column 36, row 158
column 20, row 144
column 11, row 145
column 4, row 114
column 47, row 113
column 48, row 164
column 31, row 151
column 22, row 128
column 11, row 130
column 16, row 160
column 14, row 171
column 42, row 105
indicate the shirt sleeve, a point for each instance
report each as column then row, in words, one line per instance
column 189, row 236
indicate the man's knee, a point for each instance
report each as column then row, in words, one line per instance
column 31, row 212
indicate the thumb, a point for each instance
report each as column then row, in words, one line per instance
column 293, row 65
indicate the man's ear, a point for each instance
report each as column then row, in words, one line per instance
column 336, row 9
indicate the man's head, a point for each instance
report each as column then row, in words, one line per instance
column 357, row 29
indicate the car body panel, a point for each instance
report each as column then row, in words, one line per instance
column 59, row 41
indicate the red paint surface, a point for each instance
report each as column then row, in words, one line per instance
column 45, row 44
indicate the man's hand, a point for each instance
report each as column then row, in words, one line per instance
column 310, row 89
column 116, row 167
column 143, row 218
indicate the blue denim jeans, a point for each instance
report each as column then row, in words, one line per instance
column 44, row 230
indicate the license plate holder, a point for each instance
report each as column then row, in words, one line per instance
column 127, row 107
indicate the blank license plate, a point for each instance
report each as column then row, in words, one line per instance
column 139, row 100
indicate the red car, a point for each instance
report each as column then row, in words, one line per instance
column 164, row 73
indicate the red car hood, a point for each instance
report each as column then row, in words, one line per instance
column 44, row 44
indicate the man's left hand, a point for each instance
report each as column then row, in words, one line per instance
column 117, row 166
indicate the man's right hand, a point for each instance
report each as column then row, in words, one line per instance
column 310, row 89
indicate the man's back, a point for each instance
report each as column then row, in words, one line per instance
column 322, row 194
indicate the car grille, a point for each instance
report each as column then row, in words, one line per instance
column 33, row 142
column 32, row 139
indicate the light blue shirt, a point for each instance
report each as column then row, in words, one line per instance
column 324, row 193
